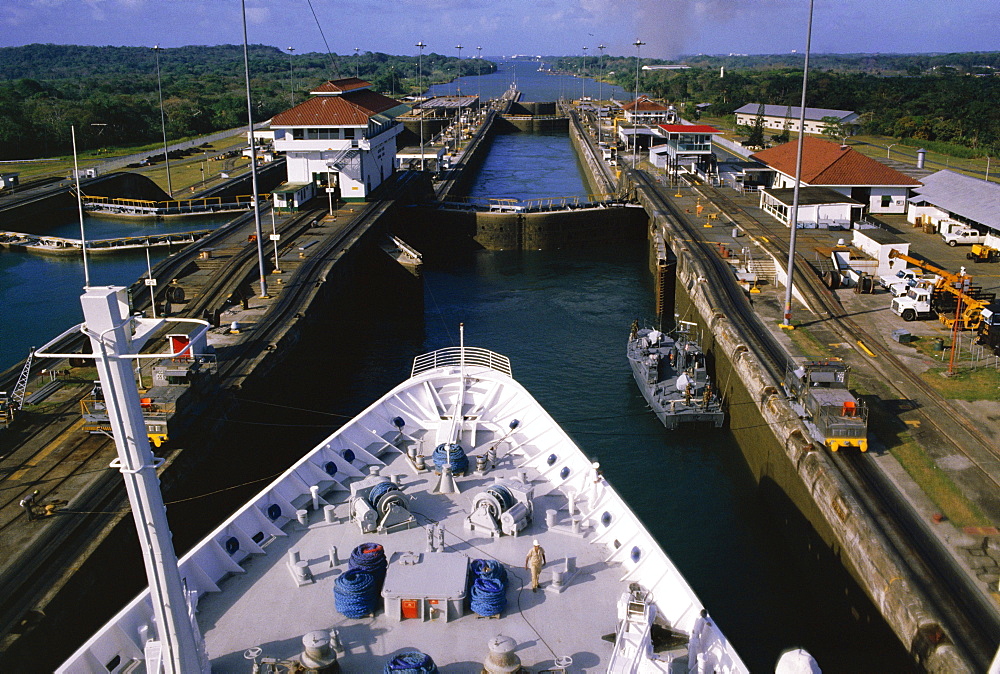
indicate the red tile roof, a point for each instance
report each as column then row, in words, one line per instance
column 644, row 104
column 340, row 86
column 688, row 128
column 826, row 163
column 353, row 108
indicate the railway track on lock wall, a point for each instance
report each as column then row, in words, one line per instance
column 969, row 620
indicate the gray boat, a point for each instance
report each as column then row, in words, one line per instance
column 670, row 371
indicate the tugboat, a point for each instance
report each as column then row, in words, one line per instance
column 670, row 372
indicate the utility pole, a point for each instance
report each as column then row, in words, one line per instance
column 163, row 120
column 600, row 96
column 458, row 73
column 583, row 75
column 635, row 106
column 420, row 69
column 253, row 159
column 291, row 77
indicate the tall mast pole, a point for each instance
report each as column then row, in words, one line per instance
column 635, row 106
column 163, row 121
column 420, row 69
column 793, row 223
column 253, row 159
column 79, row 205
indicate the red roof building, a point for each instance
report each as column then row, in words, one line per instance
column 824, row 164
column 645, row 110
column 343, row 139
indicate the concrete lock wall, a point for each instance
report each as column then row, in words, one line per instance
column 782, row 457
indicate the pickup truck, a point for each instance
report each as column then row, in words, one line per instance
column 964, row 235
column 898, row 283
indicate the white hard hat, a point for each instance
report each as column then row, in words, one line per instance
column 535, row 542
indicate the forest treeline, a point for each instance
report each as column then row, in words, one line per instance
column 110, row 93
column 948, row 98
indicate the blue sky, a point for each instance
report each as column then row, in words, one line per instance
column 503, row 27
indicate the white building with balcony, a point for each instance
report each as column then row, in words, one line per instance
column 686, row 145
column 342, row 139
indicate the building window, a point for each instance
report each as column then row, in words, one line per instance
column 298, row 134
column 886, row 200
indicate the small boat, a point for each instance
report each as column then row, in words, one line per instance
column 399, row 543
column 671, row 374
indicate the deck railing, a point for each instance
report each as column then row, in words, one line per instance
column 452, row 357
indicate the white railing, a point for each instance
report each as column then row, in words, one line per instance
column 453, row 357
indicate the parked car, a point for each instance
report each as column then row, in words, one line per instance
column 965, row 235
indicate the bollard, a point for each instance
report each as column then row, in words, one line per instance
column 550, row 518
column 419, row 462
column 334, row 559
column 397, row 479
column 302, row 516
column 329, row 514
column 301, row 568
column 314, row 493
column 293, row 556
column 480, row 464
column 569, row 566
column 571, row 502
column 576, row 524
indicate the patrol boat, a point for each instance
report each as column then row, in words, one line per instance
column 671, row 374
column 399, row 543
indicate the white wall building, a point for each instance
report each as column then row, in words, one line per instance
column 776, row 116
column 344, row 138
column 948, row 199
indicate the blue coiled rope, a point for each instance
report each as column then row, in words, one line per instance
column 488, row 568
column 370, row 557
column 489, row 596
column 356, row 594
column 413, row 662
column 379, row 490
column 459, row 461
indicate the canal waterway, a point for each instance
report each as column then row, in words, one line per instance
column 563, row 317
column 40, row 294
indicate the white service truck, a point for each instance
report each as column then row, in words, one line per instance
column 916, row 303
column 902, row 280
column 965, row 235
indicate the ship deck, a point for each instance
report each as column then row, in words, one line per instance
column 265, row 608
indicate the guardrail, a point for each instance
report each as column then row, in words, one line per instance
column 454, row 356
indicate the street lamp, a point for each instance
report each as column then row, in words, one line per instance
column 291, row 77
column 793, row 222
column 583, row 75
column 420, row 69
column 458, row 72
column 479, row 74
column 600, row 95
column 888, row 149
column 357, row 64
column 635, row 105
column 253, row 159
column 163, row 120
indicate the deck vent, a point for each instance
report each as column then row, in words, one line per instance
column 636, row 554
column 330, row 468
column 232, row 544
column 564, row 473
column 606, row 518
column 273, row 511
column 552, row 459
column 348, row 455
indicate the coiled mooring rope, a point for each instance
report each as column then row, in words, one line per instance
column 459, row 461
column 413, row 662
column 356, row 594
column 489, row 596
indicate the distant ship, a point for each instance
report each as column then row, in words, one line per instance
column 671, row 374
column 400, row 543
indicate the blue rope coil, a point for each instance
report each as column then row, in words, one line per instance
column 489, row 596
column 488, row 568
column 356, row 593
column 380, row 490
column 459, row 461
column 370, row 557
column 413, row 662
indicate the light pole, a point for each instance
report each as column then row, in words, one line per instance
column 583, row 75
column 458, row 73
column 163, row 120
column 357, row 64
column 889, row 149
column 420, row 69
column 635, row 105
column 275, row 237
column 291, row 77
column 793, row 223
column 253, row 159
column 479, row 74
column 600, row 95
column 151, row 282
